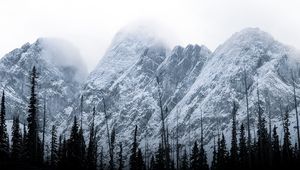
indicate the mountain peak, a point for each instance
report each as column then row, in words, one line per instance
column 251, row 36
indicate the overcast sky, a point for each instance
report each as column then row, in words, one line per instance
column 90, row 25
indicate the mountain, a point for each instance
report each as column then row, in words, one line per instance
column 268, row 65
column 139, row 71
column 193, row 82
column 126, row 78
column 60, row 75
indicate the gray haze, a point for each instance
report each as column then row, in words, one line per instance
column 90, row 25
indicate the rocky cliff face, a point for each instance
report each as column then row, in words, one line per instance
column 138, row 70
column 193, row 82
column 59, row 77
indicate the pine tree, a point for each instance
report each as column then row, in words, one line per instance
column 54, row 151
column 82, row 147
column 112, row 148
column 16, row 150
column 262, row 138
column 234, row 146
column 203, row 165
column 44, row 129
column 275, row 148
column 133, row 156
column 152, row 163
column 160, row 163
column 140, row 161
column 4, row 142
column 74, row 148
column 222, row 156
column 287, row 146
column 195, row 157
column 92, row 147
column 184, row 161
column 33, row 142
column 214, row 159
column 243, row 153
column 121, row 161
column 62, row 154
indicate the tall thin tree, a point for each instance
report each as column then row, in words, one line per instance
column 4, row 142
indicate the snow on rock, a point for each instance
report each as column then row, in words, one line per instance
column 60, row 74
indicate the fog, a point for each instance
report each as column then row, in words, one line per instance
column 91, row 24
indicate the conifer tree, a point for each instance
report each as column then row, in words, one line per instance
column 203, row 165
column 160, row 163
column 74, row 148
column 275, row 148
column 16, row 150
column 4, row 142
column 222, row 156
column 152, row 163
column 262, row 137
column 287, row 146
column 140, row 161
column 33, row 142
column 82, row 147
column 184, row 161
column 234, row 146
column 54, row 149
column 62, row 156
column 195, row 157
column 121, row 161
column 112, row 148
column 92, row 147
column 133, row 156
column 214, row 159
column 243, row 153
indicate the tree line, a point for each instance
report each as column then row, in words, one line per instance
column 27, row 148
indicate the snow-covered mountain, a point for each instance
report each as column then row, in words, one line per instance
column 60, row 74
column 193, row 81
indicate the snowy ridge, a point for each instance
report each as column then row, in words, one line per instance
column 60, row 76
column 193, row 81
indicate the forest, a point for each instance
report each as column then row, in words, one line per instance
column 26, row 149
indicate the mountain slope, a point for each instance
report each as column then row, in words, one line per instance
column 126, row 78
column 193, row 82
column 60, row 72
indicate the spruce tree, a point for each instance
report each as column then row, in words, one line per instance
column 222, row 156
column 262, row 138
column 140, row 161
column 234, row 146
column 214, row 159
column 82, row 147
column 152, row 163
column 275, row 148
column 195, row 157
column 287, row 146
column 243, row 153
column 92, row 146
column 133, row 156
column 33, row 142
column 4, row 142
column 74, row 148
column 112, row 148
column 121, row 161
column 184, row 161
column 203, row 165
column 16, row 149
column 54, row 151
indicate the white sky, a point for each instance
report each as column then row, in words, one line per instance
column 90, row 25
